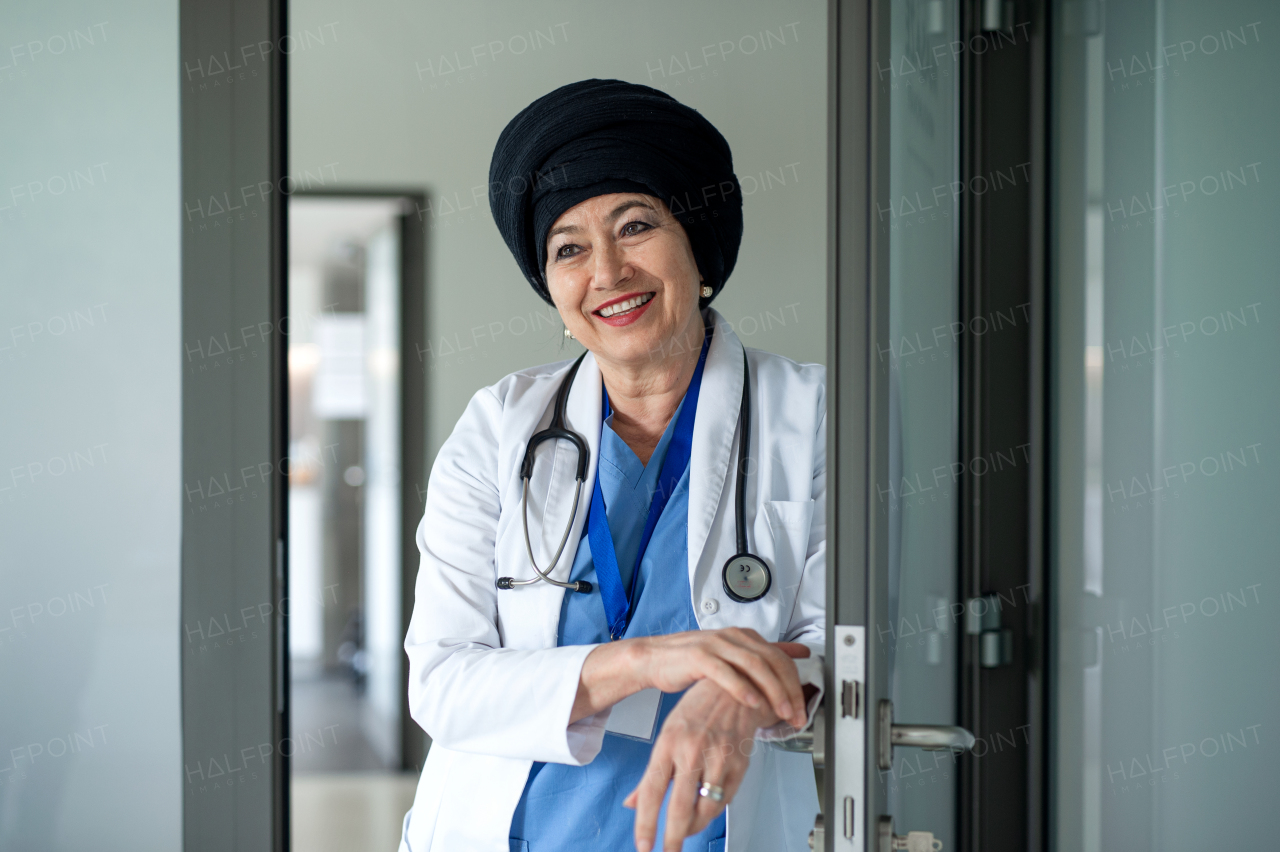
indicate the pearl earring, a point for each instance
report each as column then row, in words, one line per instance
column 707, row 291
column 568, row 334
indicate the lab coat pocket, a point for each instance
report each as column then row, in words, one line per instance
column 518, row 845
column 789, row 522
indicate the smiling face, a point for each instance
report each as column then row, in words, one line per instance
column 622, row 274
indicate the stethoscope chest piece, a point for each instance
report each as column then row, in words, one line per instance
column 746, row 578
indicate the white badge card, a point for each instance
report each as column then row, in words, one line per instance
column 635, row 716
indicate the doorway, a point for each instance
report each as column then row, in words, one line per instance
column 355, row 316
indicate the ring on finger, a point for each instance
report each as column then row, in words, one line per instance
column 714, row 792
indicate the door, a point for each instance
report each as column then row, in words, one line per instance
column 935, row 575
column 894, row 587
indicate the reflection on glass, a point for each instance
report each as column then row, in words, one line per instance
column 921, row 639
column 1163, row 372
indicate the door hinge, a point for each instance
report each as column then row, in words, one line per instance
column 995, row 641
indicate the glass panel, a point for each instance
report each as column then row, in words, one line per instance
column 921, row 499
column 91, row 371
column 1164, row 533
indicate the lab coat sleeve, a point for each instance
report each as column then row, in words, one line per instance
column 465, row 690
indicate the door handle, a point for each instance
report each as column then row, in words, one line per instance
column 932, row 737
column 929, row 737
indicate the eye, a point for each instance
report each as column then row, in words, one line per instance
column 637, row 227
column 566, row 251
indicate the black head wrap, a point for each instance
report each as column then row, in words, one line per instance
column 597, row 137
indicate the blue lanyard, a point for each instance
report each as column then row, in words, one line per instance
column 617, row 602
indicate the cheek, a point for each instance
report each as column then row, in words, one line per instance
column 675, row 265
column 566, row 289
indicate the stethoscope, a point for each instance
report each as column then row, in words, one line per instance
column 746, row 577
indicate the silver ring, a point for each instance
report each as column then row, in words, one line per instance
column 711, row 791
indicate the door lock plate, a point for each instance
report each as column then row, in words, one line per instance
column 848, row 769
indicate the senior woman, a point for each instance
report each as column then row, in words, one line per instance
column 584, row 697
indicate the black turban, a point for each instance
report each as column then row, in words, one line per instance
column 597, row 137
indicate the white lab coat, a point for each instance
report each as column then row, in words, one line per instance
column 486, row 679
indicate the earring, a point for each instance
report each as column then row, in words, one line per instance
column 567, row 333
column 707, row 290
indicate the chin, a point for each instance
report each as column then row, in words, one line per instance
column 633, row 348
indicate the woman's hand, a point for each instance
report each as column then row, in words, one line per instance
column 755, row 673
column 708, row 737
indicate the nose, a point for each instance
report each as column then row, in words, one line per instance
column 611, row 267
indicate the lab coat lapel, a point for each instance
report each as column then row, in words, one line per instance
column 719, row 402
column 530, row 616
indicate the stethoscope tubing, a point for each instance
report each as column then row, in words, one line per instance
column 557, row 430
column 580, row 585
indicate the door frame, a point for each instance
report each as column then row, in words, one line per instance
column 235, row 713
column 1002, row 510
column 855, row 792
column 236, row 136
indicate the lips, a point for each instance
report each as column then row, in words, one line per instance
column 624, row 310
column 622, row 305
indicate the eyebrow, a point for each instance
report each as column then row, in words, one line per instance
column 617, row 211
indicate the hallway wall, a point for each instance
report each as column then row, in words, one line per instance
column 90, row 497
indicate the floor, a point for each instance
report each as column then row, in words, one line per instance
column 350, row 811
column 326, row 705
column 345, row 796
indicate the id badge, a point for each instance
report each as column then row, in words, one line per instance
column 635, row 716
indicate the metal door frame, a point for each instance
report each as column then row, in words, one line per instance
column 1003, row 234
column 235, row 713
column 857, row 404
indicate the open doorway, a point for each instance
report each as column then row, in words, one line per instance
column 356, row 445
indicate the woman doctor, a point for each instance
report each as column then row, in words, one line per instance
column 630, row 709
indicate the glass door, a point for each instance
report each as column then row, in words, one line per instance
column 918, row 219
column 1164, row 424
column 896, row 463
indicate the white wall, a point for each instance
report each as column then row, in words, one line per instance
column 89, row 426
column 380, row 95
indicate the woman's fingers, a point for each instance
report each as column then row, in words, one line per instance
column 786, row 670
column 771, row 670
column 716, row 770
column 794, row 650
column 738, row 660
column 733, row 681
column 647, row 798
column 680, row 807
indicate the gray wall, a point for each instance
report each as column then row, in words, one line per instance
column 89, row 427
column 384, row 96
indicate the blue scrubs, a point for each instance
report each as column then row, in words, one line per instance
column 580, row 807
